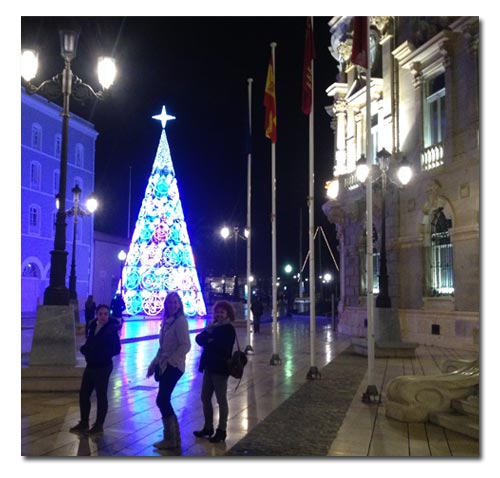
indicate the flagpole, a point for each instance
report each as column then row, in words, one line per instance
column 371, row 389
column 249, row 348
column 129, row 198
column 313, row 370
column 275, row 359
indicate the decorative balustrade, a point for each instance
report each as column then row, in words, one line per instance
column 432, row 157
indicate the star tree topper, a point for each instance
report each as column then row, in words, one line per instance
column 163, row 117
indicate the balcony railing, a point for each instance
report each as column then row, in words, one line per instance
column 432, row 157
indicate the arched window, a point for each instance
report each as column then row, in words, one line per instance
column 31, row 270
column 441, row 255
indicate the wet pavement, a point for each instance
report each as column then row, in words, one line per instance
column 276, row 410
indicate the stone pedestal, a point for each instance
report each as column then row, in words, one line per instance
column 54, row 340
column 387, row 337
column 387, row 327
column 385, row 349
column 76, row 309
column 53, row 365
column 51, row 379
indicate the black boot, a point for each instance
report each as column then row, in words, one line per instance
column 82, row 426
column 97, row 429
column 204, row 432
column 220, row 435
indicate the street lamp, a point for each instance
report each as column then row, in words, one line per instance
column 75, row 211
column 383, row 303
column 404, row 175
column 122, row 255
column 68, row 85
column 227, row 233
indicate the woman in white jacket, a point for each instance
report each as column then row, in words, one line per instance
column 170, row 363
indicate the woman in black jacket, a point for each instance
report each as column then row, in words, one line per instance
column 217, row 341
column 101, row 345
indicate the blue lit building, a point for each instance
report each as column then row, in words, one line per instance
column 41, row 131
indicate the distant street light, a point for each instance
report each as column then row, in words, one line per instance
column 76, row 211
column 69, row 85
column 227, row 233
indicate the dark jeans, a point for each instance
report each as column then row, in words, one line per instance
column 214, row 382
column 168, row 380
column 95, row 379
column 256, row 323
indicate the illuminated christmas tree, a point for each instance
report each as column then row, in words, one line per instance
column 160, row 258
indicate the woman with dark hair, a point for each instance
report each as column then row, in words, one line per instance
column 101, row 345
column 217, row 341
column 170, row 363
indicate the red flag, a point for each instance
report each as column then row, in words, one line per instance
column 307, row 73
column 360, row 42
column 270, row 103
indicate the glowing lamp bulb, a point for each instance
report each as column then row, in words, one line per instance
column 29, row 64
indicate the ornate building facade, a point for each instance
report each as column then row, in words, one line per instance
column 424, row 107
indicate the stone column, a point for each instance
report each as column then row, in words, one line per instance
column 340, row 111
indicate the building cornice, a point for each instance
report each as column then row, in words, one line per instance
column 54, row 111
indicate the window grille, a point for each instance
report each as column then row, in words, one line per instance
column 441, row 255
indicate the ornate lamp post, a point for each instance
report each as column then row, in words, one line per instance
column 383, row 302
column 404, row 175
column 68, row 85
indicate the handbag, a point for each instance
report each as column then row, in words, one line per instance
column 236, row 364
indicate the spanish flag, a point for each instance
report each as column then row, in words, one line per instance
column 270, row 103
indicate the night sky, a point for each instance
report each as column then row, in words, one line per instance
column 198, row 68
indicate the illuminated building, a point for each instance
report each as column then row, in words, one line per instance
column 424, row 107
column 40, row 166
